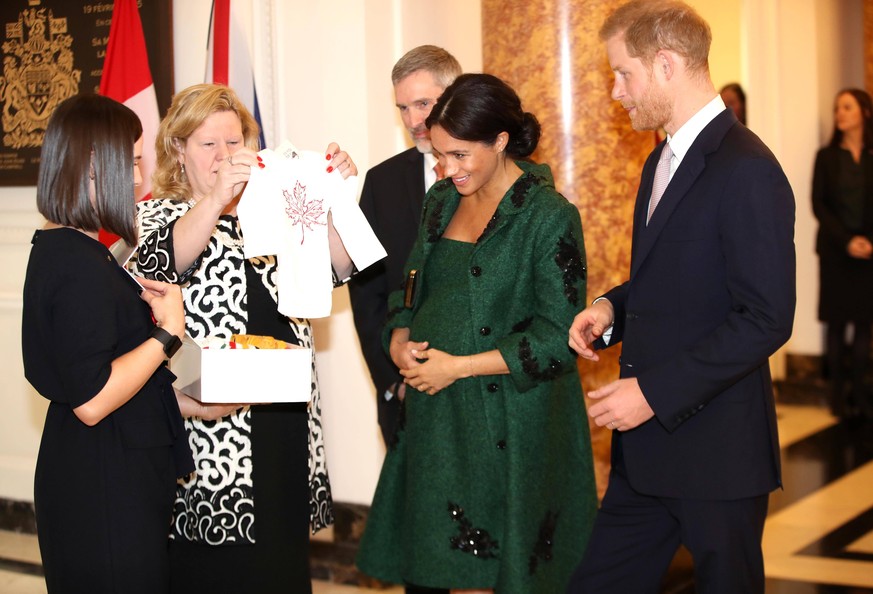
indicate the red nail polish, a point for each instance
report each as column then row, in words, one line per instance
column 329, row 168
column 328, row 157
column 261, row 165
column 259, row 159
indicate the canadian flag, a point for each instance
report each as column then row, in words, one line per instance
column 127, row 79
column 228, row 60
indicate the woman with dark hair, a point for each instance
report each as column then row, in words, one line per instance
column 842, row 200
column 735, row 99
column 488, row 484
column 113, row 442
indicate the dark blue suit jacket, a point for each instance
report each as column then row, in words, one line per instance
column 711, row 296
column 391, row 200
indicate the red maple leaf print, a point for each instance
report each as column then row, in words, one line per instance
column 301, row 211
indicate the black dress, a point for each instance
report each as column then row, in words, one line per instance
column 842, row 200
column 103, row 494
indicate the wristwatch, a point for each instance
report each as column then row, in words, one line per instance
column 171, row 342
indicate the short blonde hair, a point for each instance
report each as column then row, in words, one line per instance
column 652, row 25
column 189, row 110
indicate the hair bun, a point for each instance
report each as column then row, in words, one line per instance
column 525, row 140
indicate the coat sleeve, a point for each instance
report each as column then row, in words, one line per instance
column 756, row 239
column 368, row 292
column 155, row 255
column 398, row 315
column 536, row 349
column 823, row 187
column 616, row 297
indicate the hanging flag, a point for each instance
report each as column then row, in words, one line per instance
column 228, row 60
column 127, row 79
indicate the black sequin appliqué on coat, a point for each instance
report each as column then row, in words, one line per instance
column 569, row 260
column 543, row 548
column 474, row 541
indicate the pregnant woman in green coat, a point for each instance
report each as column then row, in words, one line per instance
column 489, row 482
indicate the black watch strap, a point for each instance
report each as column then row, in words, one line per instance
column 171, row 342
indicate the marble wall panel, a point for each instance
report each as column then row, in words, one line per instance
column 868, row 45
column 550, row 52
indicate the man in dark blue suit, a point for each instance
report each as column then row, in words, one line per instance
column 391, row 200
column 710, row 297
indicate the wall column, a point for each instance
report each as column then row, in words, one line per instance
column 550, row 52
column 868, row 45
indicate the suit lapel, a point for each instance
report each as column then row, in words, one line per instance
column 691, row 168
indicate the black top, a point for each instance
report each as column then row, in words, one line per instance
column 842, row 200
column 103, row 494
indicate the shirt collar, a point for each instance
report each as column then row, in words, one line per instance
column 686, row 135
column 429, row 160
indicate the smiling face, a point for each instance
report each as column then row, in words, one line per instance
column 636, row 88
column 470, row 165
column 218, row 136
column 415, row 97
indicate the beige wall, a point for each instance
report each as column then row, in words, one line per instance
column 324, row 72
column 726, row 53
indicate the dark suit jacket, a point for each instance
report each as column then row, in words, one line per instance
column 711, row 296
column 391, row 200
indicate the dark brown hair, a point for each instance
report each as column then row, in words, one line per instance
column 866, row 105
column 478, row 107
column 89, row 137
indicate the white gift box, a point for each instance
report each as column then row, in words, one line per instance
column 225, row 375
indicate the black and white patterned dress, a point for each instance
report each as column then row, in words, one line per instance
column 215, row 505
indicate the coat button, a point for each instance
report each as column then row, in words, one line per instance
column 492, row 388
column 476, row 271
column 484, row 330
column 501, row 445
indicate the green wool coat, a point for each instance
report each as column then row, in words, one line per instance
column 489, row 483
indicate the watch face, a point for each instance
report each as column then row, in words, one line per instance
column 172, row 346
column 171, row 342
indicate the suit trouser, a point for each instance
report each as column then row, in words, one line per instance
column 635, row 537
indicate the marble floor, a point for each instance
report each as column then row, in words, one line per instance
column 818, row 538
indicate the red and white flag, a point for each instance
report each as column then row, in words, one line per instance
column 228, row 60
column 127, row 79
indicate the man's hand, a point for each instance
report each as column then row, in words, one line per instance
column 621, row 405
column 588, row 326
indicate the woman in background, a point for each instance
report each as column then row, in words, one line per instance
column 242, row 520
column 735, row 99
column 842, row 200
column 113, row 442
column 489, row 482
